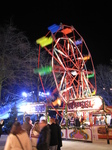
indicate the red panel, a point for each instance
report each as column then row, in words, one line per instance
column 66, row 31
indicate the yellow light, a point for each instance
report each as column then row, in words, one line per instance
column 59, row 102
column 86, row 57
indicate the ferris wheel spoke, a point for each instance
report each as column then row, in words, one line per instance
column 59, row 59
column 60, row 52
column 62, row 80
column 66, row 53
column 85, row 89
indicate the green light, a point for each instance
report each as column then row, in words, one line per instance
column 90, row 75
column 43, row 70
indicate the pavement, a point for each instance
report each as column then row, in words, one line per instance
column 73, row 145
column 2, row 141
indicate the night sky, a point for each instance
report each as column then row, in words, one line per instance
column 92, row 19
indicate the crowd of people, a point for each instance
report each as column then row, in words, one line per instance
column 72, row 121
column 38, row 136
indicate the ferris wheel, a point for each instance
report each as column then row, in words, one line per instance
column 71, row 62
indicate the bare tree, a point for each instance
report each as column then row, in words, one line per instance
column 18, row 58
column 104, row 82
column 15, row 51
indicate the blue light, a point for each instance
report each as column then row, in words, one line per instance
column 42, row 94
column 24, row 94
column 48, row 93
column 4, row 116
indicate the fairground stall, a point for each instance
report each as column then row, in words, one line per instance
column 35, row 108
column 87, row 120
column 102, row 124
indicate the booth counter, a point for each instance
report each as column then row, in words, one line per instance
column 92, row 134
column 100, row 132
column 77, row 134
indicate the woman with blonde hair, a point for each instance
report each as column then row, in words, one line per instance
column 18, row 139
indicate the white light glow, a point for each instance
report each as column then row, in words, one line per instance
column 5, row 116
column 42, row 94
column 24, row 94
column 97, row 102
column 74, row 73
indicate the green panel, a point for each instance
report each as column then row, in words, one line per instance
column 90, row 75
column 43, row 70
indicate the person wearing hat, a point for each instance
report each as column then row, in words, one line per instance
column 44, row 135
column 54, row 134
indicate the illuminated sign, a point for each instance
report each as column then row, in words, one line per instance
column 84, row 104
column 33, row 108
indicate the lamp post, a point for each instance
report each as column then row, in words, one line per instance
column 107, row 129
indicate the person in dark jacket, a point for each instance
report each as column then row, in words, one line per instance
column 1, row 125
column 59, row 135
column 54, row 134
column 44, row 136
